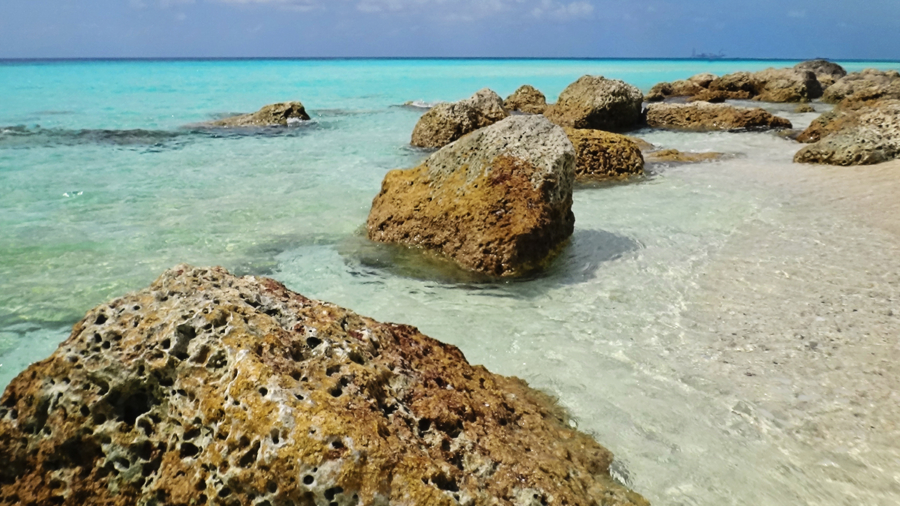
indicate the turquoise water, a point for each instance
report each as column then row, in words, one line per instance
column 104, row 184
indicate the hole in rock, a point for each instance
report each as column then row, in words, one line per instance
column 275, row 436
column 189, row 450
column 166, row 343
column 263, row 391
column 424, row 424
column 336, row 391
column 272, row 487
column 445, row 482
column 308, row 479
column 337, row 445
column 250, row 457
column 101, row 319
column 191, row 434
column 333, row 491
column 313, row 342
column 331, row 370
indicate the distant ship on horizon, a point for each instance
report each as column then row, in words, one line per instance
column 707, row 56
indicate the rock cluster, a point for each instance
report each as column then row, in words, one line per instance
column 594, row 102
column 703, row 116
column 856, row 89
column 604, row 155
column 271, row 115
column 206, row 388
column 526, row 99
column 864, row 136
column 447, row 122
column 497, row 201
column 798, row 84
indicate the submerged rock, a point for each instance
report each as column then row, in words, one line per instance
column 271, row 115
column 207, row 388
column 526, row 99
column 498, row 201
column 597, row 103
column 703, row 116
column 447, row 122
column 603, row 155
column 868, row 136
column 803, row 108
column 675, row 156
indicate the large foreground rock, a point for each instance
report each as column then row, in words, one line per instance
column 498, row 201
column 271, row 115
column 447, row 122
column 526, row 99
column 703, row 116
column 212, row 389
column 597, row 103
column 867, row 136
column 604, row 155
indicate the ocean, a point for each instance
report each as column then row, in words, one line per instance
column 677, row 327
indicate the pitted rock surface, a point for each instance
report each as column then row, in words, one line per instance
column 207, row 388
column 703, row 116
column 868, row 136
column 604, row 155
column 497, row 201
column 865, row 82
column 594, row 102
column 271, row 115
column 447, row 122
column 526, row 99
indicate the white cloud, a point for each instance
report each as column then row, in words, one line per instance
column 563, row 11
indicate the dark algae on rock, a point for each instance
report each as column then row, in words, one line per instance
column 206, row 388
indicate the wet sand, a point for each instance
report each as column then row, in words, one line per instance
column 798, row 320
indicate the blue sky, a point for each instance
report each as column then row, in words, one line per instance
column 839, row 29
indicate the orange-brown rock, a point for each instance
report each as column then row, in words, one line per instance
column 447, row 122
column 595, row 102
column 604, row 155
column 736, row 86
column 864, row 82
column 703, row 116
column 526, row 99
column 825, row 125
column 866, row 136
column 280, row 114
column 681, row 88
column 717, row 97
column 675, row 156
column 826, row 72
column 206, row 388
column 498, row 201
column 786, row 85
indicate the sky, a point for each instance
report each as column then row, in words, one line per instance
column 801, row 29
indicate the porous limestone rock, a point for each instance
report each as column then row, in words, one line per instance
column 859, row 82
column 604, row 155
column 737, row 86
column 681, row 88
column 825, row 125
column 675, row 156
column 826, row 72
column 786, row 85
column 447, row 122
column 703, row 79
column 713, row 97
column 703, row 116
column 804, row 108
column 498, row 201
column 271, row 115
column 598, row 103
column 526, row 99
column 868, row 136
column 207, row 388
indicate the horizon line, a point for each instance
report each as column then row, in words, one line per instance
column 420, row 58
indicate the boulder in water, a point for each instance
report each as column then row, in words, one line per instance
column 597, row 103
column 207, row 388
column 526, row 99
column 826, row 72
column 604, row 155
column 280, row 114
column 498, row 201
column 867, row 136
column 447, row 122
column 859, row 82
column 703, row 116
column 786, row 85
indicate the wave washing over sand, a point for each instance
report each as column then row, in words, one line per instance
column 728, row 329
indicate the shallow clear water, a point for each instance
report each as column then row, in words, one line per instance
column 657, row 327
